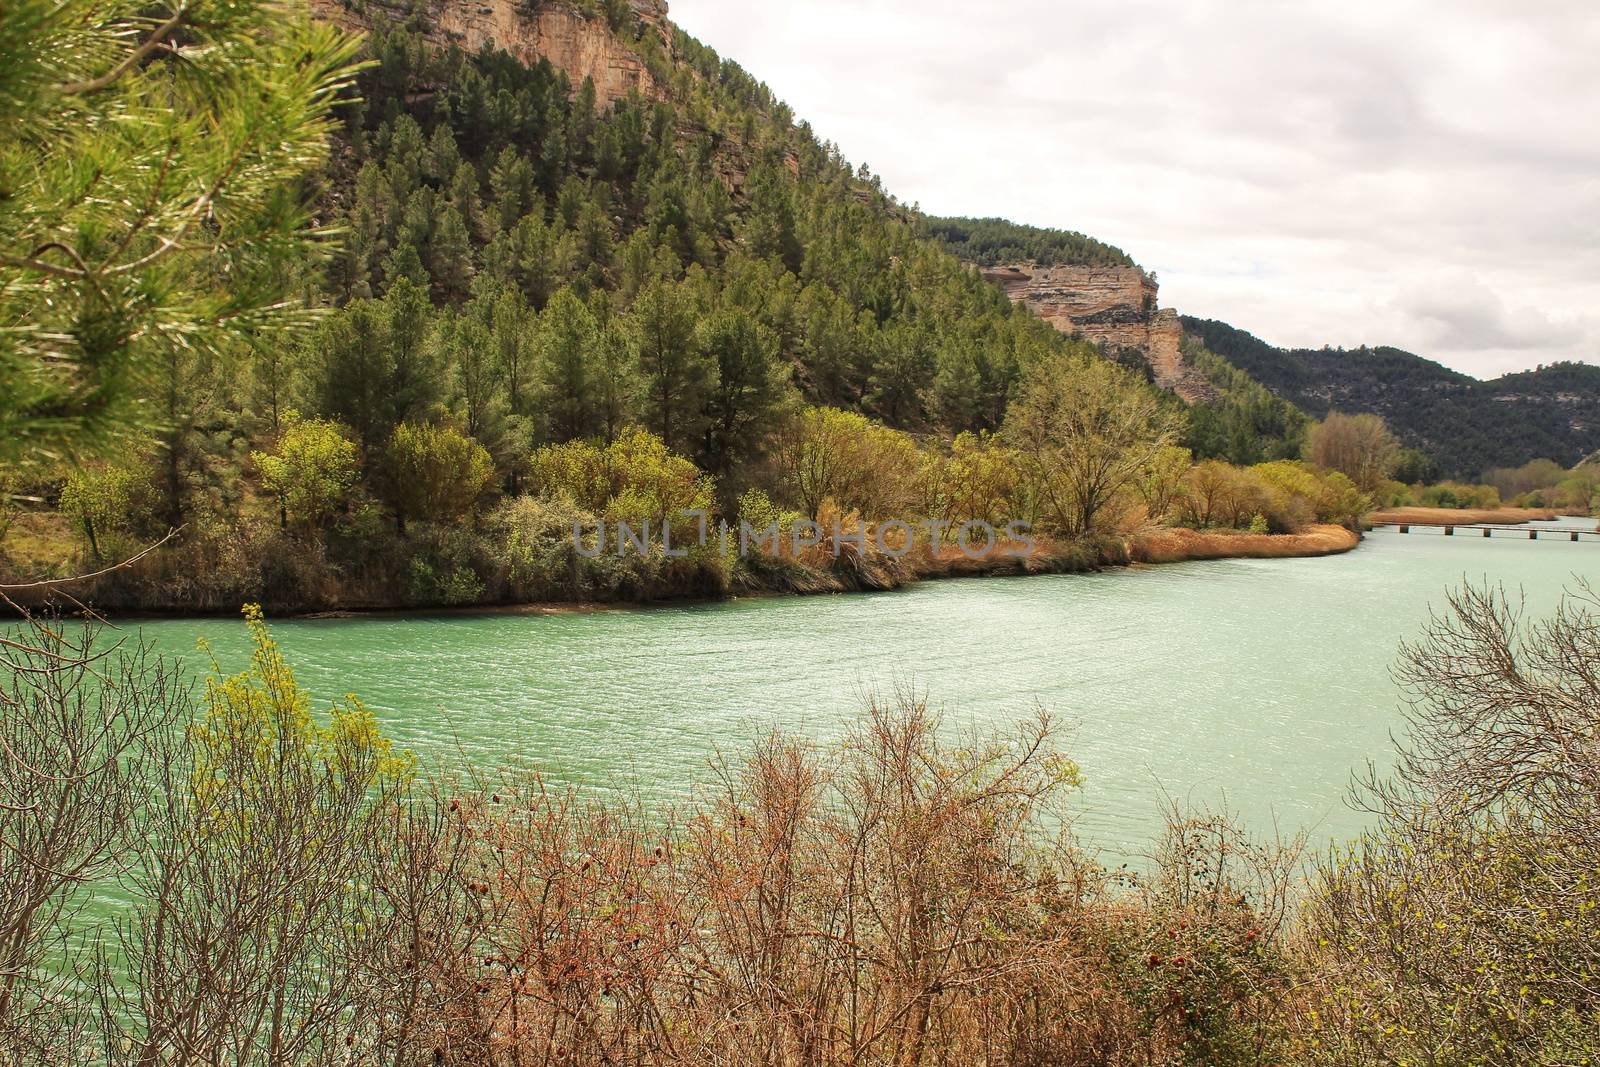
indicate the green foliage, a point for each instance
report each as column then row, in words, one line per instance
column 434, row 473
column 310, row 471
column 979, row 480
column 828, row 455
column 1537, row 476
column 256, row 731
column 569, row 395
column 752, row 388
column 993, row 242
column 374, row 366
column 676, row 374
column 1085, row 430
column 1245, row 424
column 152, row 167
column 104, row 500
column 634, row 479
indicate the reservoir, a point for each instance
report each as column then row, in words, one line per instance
column 1255, row 685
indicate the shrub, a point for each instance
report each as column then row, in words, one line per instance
column 635, row 479
column 310, row 471
column 433, row 473
column 105, row 501
column 827, row 454
column 1464, row 927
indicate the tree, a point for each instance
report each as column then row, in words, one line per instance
column 977, row 481
column 1462, row 928
column 1161, row 483
column 374, row 367
column 567, row 389
column 751, row 388
column 827, row 454
column 103, row 499
column 675, row 372
column 616, row 381
column 85, row 721
column 514, row 335
column 466, row 347
column 257, row 898
column 1085, row 429
column 1359, row 446
column 150, row 153
column 310, row 471
column 433, row 473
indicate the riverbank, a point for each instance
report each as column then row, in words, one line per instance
column 1180, row 545
column 1461, row 516
column 151, row 588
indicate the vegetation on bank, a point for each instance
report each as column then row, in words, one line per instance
column 693, row 301
column 1463, row 516
column 297, row 891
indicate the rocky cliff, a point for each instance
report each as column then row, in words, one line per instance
column 576, row 42
column 1115, row 307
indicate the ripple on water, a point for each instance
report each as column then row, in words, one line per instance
column 1263, row 683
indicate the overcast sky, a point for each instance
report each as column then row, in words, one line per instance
column 1422, row 173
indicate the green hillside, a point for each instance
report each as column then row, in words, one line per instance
column 1466, row 424
column 991, row 242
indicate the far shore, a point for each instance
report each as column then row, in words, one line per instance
column 1152, row 546
column 1462, row 516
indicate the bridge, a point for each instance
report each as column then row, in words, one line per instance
column 1532, row 533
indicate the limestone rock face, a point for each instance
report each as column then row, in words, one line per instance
column 1114, row 307
column 581, row 46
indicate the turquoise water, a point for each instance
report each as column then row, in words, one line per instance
column 1255, row 684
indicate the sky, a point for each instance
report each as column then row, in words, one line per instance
column 1417, row 173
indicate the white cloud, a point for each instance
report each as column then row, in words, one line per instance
column 1308, row 171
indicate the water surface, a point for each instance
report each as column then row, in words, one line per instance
column 1259, row 684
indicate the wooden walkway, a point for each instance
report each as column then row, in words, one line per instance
column 1525, row 532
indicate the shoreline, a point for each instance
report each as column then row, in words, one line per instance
column 1420, row 516
column 1152, row 547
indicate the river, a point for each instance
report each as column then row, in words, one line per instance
column 1259, row 685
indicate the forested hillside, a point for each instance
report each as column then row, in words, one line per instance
column 481, row 182
column 1467, row 425
column 991, row 242
column 547, row 313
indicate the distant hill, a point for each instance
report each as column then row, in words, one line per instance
column 1466, row 424
column 997, row 242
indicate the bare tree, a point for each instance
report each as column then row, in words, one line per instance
column 1359, row 446
column 1464, row 928
column 83, row 720
column 256, row 899
column 1086, row 430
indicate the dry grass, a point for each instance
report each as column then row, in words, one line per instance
column 1176, row 545
column 1462, row 516
column 37, row 543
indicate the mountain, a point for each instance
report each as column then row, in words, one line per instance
column 532, row 146
column 1087, row 288
column 1466, row 424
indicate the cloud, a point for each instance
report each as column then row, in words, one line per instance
column 1461, row 313
column 1308, row 171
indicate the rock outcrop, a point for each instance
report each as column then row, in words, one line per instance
column 580, row 45
column 1116, row 308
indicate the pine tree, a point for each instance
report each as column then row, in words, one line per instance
column 675, row 372
column 750, row 389
column 567, row 391
column 129, row 192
